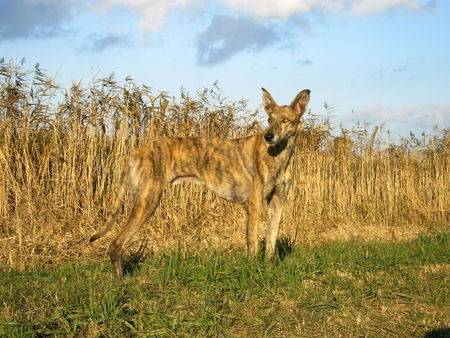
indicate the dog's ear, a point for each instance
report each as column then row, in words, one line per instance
column 300, row 102
column 268, row 102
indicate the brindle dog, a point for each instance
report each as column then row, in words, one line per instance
column 246, row 171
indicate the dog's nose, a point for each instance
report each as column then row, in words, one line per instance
column 268, row 137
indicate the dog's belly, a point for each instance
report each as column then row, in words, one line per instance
column 236, row 193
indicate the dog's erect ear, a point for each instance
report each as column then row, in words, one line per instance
column 300, row 102
column 268, row 102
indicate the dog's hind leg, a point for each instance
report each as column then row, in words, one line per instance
column 147, row 199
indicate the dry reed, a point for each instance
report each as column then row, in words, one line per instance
column 62, row 151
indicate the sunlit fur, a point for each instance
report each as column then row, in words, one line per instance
column 248, row 171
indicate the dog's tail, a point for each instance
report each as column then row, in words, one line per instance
column 116, row 207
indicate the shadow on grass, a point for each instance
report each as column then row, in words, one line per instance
column 283, row 247
column 438, row 333
column 134, row 260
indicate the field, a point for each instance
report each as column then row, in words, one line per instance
column 340, row 289
column 365, row 230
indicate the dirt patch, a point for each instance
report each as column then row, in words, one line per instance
column 434, row 269
column 346, row 231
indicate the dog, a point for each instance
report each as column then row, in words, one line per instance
column 248, row 171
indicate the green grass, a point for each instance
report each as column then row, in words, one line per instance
column 340, row 289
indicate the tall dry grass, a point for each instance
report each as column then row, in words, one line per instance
column 62, row 151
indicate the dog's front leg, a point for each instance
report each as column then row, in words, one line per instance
column 276, row 203
column 254, row 205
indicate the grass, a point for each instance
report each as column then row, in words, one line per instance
column 350, row 288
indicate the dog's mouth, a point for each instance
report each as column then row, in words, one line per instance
column 271, row 139
column 278, row 142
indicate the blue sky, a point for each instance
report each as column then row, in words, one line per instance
column 374, row 61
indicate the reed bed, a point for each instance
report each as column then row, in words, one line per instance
column 62, row 152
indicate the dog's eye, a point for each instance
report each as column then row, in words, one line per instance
column 285, row 120
column 270, row 120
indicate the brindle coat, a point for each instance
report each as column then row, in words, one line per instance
column 246, row 171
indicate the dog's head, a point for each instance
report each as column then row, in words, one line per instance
column 283, row 120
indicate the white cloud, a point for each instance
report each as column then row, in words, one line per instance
column 43, row 18
column 372, row 6
column 274, row 9
column 153, row 13
column 284, row 9
column 245, row 26
column 25, row 18
column 424, row 117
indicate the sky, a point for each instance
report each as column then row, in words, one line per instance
column 373, row 61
